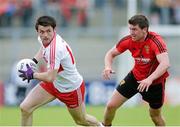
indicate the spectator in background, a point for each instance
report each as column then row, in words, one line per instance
column 66, row 10
column 100, row 3
column 121, row 3
column 161, row 11
column 176, row 10
column 7, row 11
column 82, row 16
column 52, row 8
column 146, row 7
column 26, row 10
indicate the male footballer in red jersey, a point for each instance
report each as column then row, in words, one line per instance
column 148, row 75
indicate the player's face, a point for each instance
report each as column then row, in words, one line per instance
column 46, row 33
column 137, row 33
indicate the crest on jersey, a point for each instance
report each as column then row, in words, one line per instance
column 146, row 48
column 122, row 82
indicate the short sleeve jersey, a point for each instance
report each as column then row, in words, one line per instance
column 58, row 55
column 144, row 54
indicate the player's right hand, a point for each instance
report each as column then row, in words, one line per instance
column 107, row 73
column 26, row 75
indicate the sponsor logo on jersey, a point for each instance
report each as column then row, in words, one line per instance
column 142, row 60
column 122, row 82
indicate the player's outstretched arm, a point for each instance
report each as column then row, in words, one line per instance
column 109, row 57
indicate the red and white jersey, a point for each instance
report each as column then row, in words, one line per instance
column 58, row 55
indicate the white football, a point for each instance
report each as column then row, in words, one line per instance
column 21, row 65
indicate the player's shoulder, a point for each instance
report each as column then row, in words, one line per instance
column 157, row 41
column 59, row 39
column 61, row 44
column 125, row 38
column 153, row 35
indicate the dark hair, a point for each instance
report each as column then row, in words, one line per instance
column 45, row 21
column 140, row 20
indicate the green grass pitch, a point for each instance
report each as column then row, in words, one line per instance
column 59, row 116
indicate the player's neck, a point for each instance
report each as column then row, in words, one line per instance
column 144, row 38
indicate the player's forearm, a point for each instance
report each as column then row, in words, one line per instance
column 108, row 60
column 44, row 76
column 160, row 70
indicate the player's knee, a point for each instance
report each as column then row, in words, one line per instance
column 78, row 122
column 111, row 106
column 155, row 116
column 81, row 122
column 24, row 109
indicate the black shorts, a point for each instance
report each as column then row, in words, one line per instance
column 154, row 96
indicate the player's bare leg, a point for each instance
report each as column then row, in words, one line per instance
column 157, row 117
column 81, row 117
column 36, row 97
column 115, row 102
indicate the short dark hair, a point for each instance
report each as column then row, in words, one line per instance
column 140, row 20
column 45, row 21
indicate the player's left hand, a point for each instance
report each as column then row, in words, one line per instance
column 144, row 85
column 28, row 74
column 107, row 73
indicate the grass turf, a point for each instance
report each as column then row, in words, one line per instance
column 59, row 116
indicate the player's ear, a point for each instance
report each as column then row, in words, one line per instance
column 145, row 29
column 54, row 29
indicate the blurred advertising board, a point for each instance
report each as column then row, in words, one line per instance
column 98, row 92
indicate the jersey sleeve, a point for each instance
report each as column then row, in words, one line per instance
column 123, row 44
column 158, row 45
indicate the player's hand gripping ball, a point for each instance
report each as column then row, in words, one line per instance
column 26, row 68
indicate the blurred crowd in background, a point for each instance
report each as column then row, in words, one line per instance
column 22, row 12
column 162, row 11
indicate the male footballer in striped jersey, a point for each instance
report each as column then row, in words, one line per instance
column 61, row 80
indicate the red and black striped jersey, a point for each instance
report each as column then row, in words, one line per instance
column 144, row 54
